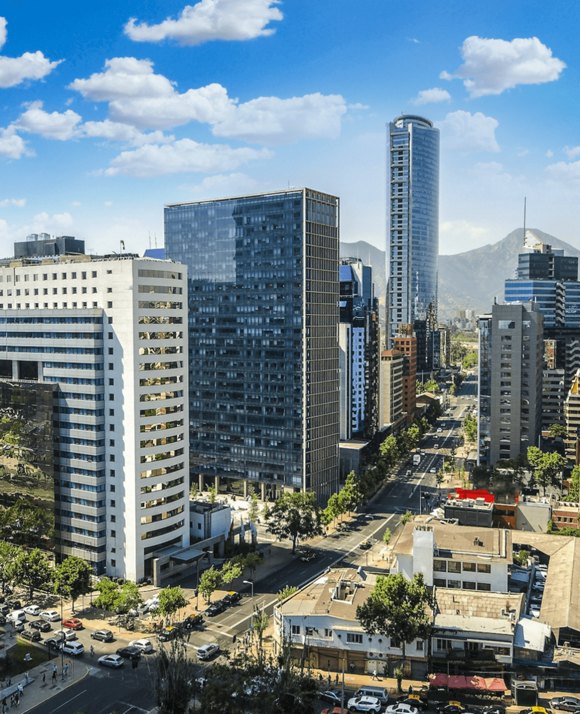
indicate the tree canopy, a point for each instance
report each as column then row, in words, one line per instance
column 31, row 569
column 294, row 516
column 398, row 608
column 171, row 599
column 72, row 578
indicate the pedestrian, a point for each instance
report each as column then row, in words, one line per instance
column 20, row 688
column 92, row 651
column 44, row 679
column 375, row 673
column 410, row 689
column 4, row 709
column 54, row 676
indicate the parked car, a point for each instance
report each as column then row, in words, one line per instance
column 364, row 704
column 14, row 604
column 415, row 700
column 534, row 710
column 401, row 708
column 365, row 545
column 129, row 652
column 32, row 610
column 103, row 636
column 75, row 649
column 17, row 616
column 41, row 625
column 50, row 615
column 73, row 623
column 144, row 645
column 493, row 709
column 452, row 707
column 66, row 635
column 215, row 608
column 232, row 598
column 18, row 625
column 31, row 635
column 111, row 660
column 192, row 622
column 208, row 651
column 567, row 704
column 168, row 633
column 307, row 555
column 331, row 695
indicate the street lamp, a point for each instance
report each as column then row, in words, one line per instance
column 249, row 582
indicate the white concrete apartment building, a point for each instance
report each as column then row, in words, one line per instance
column 319, row 622
column 450, row 556
column 111, row 334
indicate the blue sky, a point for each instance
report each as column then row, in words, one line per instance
column 108, row 114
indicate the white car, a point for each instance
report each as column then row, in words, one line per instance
column 66, row 635
column 432, row 470
column 208, row 651
column 32, row 610
column 401, row 708
column 111, row 660
column 50, row 615
column 72, row 648
column 435, row 446
column 144, row 645
column 439, row 429
column 364, row 704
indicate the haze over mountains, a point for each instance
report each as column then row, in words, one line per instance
column 467, row 280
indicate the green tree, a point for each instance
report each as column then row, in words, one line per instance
column 8, row 554
column 351, row 495
column 294, row 516
column 406, row 517
column 175, row 680
column 212, row 491
column 413, row 437
column 286, row 592
column 129, row 597
column 557, row 430
column 171, row 599
column 72, row 578
column 209, row 582
column 31, row 569
column 574, row 485
column 387, row 536
column 333, row 509
column 521, row 557
column 534, row 456
column 398, row 608
column 438, row 479
column 260, row 622
column 470, row 428
column 230, row 571
column 549, row 469
column 253, row 510
column 108, row 594
column 250, row 562
column 470, row 360
column 388, row 450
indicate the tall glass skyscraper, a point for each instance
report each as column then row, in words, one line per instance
column 263, row 320
column 413, row 221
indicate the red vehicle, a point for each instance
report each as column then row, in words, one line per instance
column 73, row 623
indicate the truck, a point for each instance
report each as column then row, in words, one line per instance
column 416, row 459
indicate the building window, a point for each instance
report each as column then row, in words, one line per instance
column 309, row 631
column 354, row 638
column 468, row 585
column 483, row 568
column 440, row 582
column 484, row 586
column 327, row 633
column 420, row 645
column 453, row 584
column 395, row 643
column 469, row 567
column 440, row 566
column 453, row 567
column 295, row 629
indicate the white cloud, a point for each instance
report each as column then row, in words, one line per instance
column 60, row 126
column 116, row 131
column 490, row 66
column 50, row 222
column 271, row 119
column 462, row 234
column 211, row 20
column 564, row 172
column 572, row 151
column 12, row 202
column 30, row 65
column 219, row 185
column 469, row 132
column 182, row 156
column 12, row 145
column 549, row 154
column 142, row 99
column 432, row 96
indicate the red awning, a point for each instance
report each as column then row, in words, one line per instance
column 478, row 683
column 438, row 680
column 495, row 684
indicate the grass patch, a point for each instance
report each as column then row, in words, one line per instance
column 15, row 663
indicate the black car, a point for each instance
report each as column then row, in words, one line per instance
column 31, row 635
column 102, row 636
column 215, row 608
column 40, row 625
column 5, row 609
column 14, row 604
column 232, row 598
column 192, row 622
column 129, row 652
column 414, row 701
column 567, row 704
column 168, row 633
column 53, row 643
column 365, row 545
column 2, row 620
column 451, row 709
column 493, row 709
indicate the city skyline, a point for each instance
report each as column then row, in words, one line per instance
column 107, row 118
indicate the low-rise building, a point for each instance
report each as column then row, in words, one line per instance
column 319, row 623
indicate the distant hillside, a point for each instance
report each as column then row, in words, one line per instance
column 467, row 280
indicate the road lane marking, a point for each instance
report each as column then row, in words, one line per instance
column 70, row 700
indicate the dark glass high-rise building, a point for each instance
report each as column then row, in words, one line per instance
column 413, row 221
column 263, row 350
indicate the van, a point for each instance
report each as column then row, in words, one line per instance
column 379, row 693
column 17, row 616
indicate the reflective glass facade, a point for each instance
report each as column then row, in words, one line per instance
column 263, row 315
column 413, row 220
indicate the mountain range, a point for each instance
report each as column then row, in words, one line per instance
column 469, row 280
